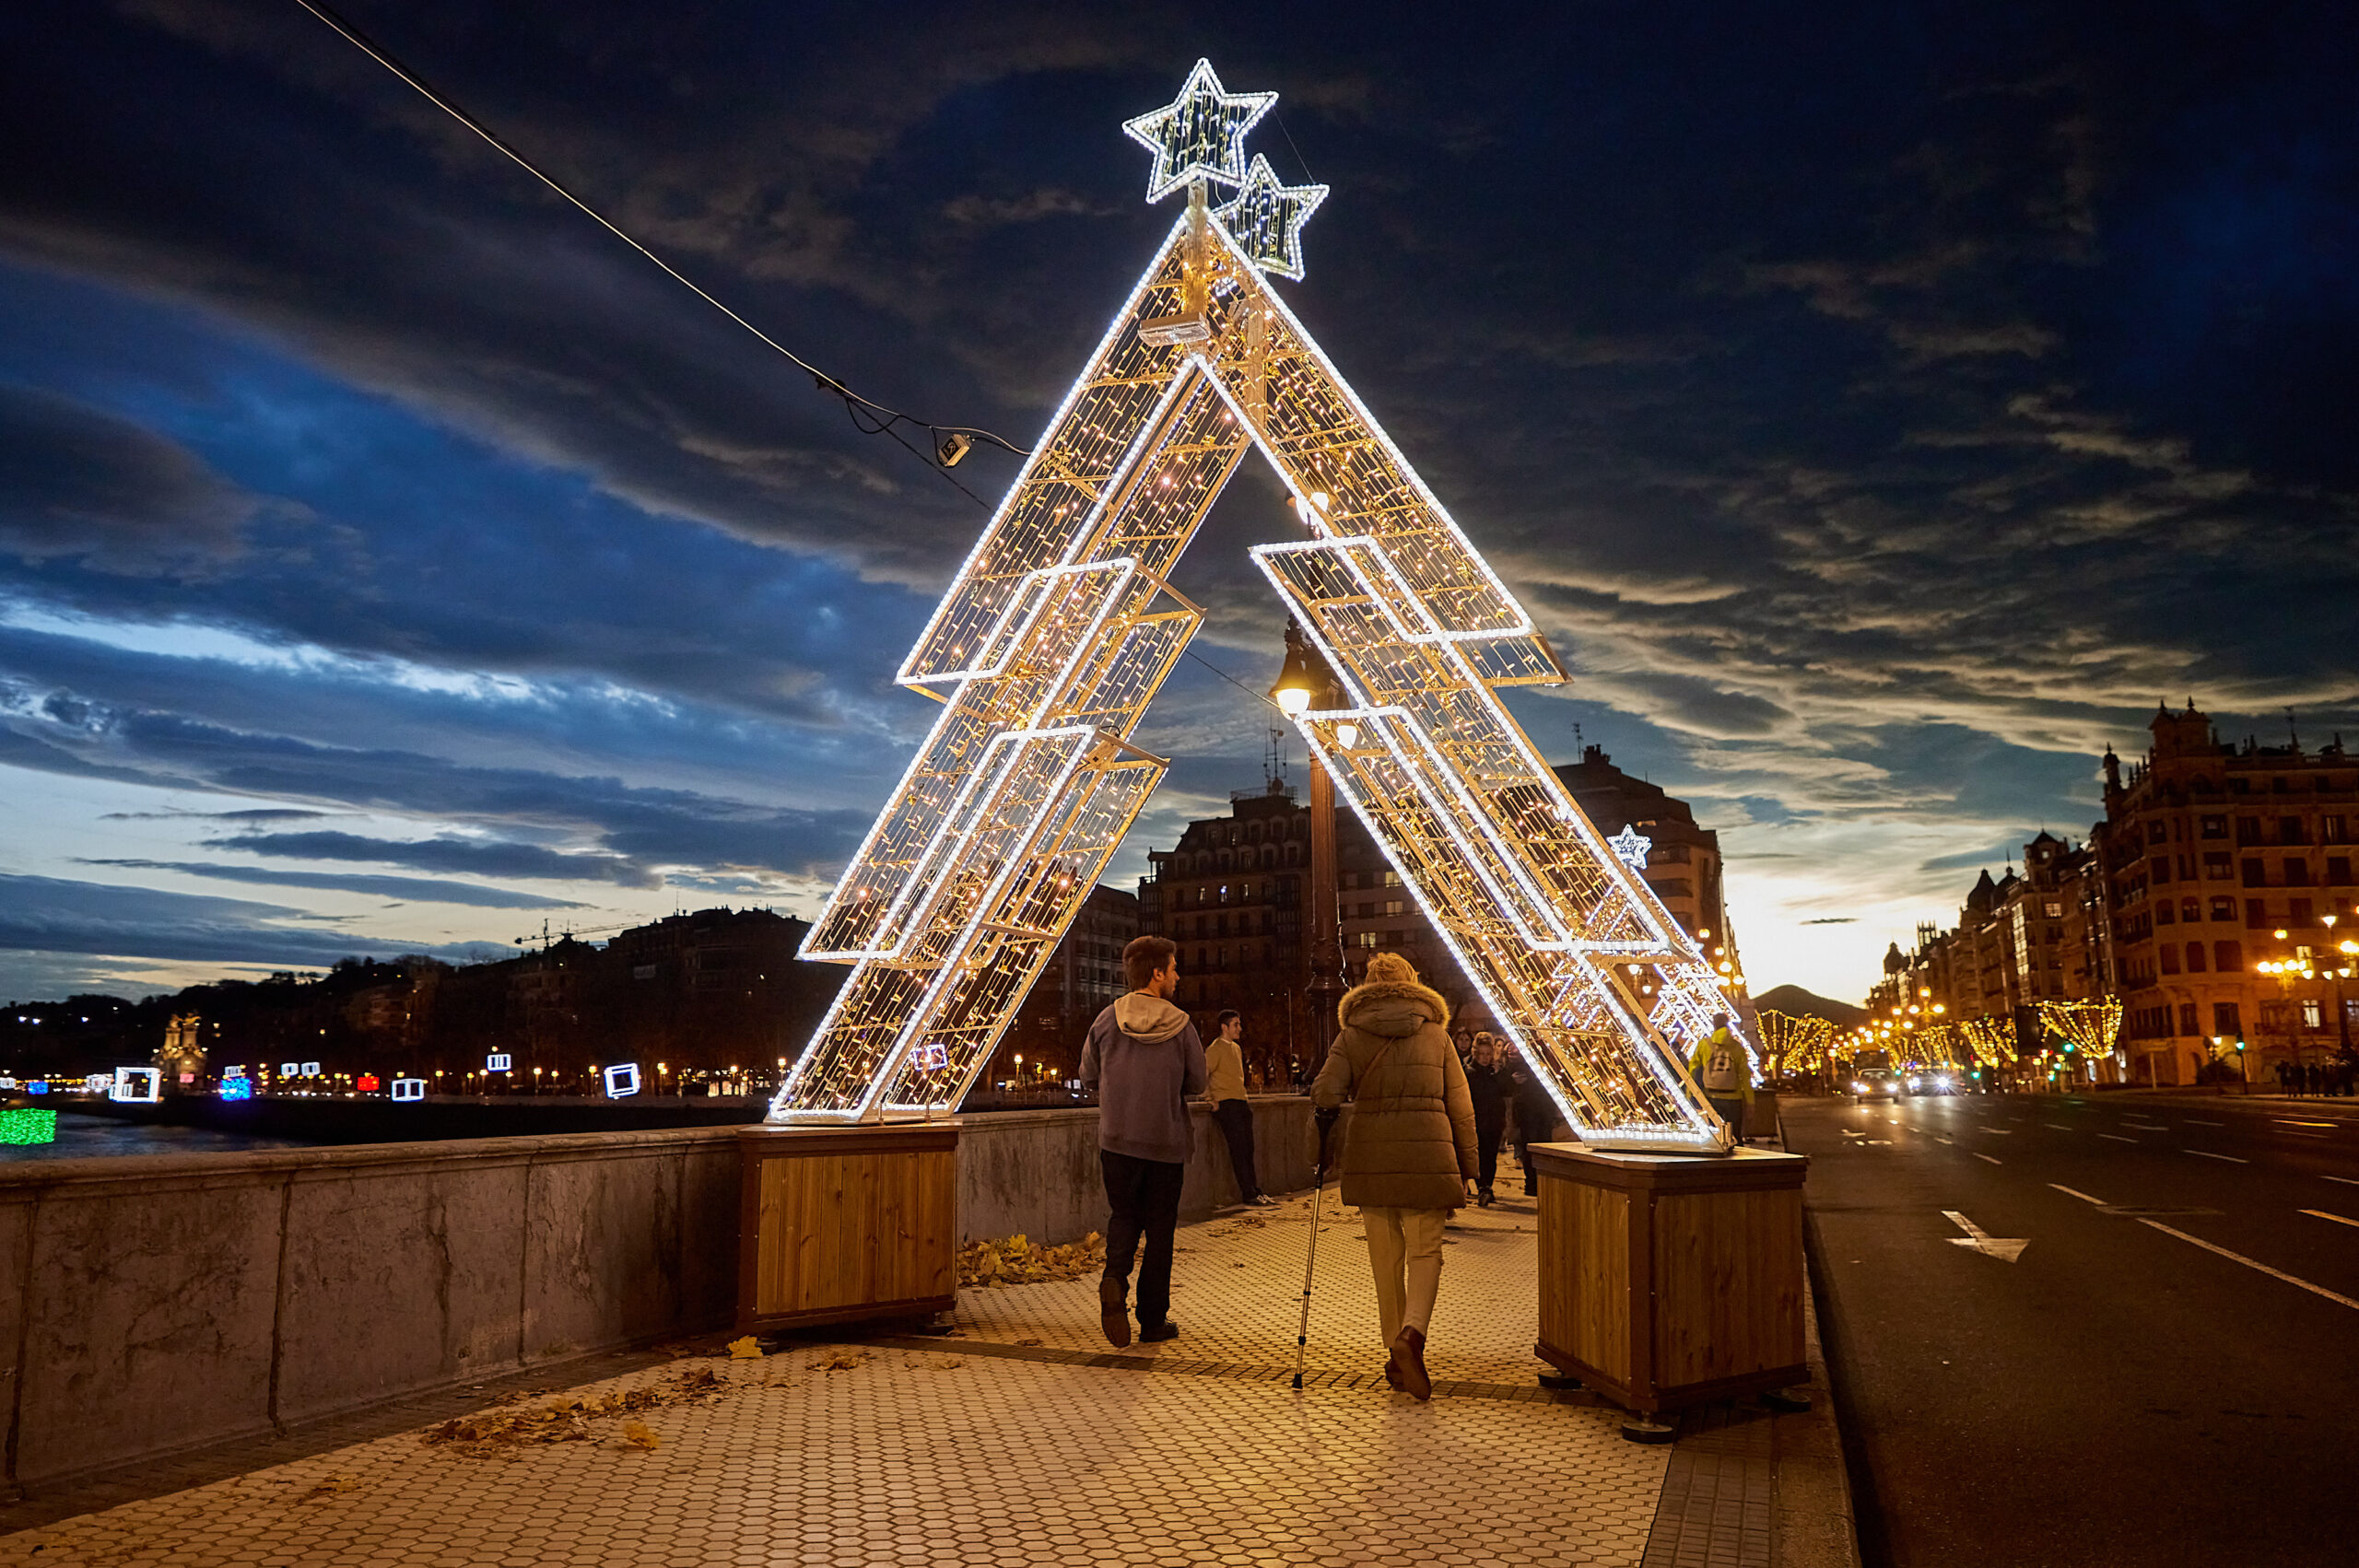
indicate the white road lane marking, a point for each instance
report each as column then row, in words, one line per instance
column 2082, row 1196
column 2199, row 1121
column 1999, row 1131
column 2057, row 1124
column 2207, row 1155
column 2334, row 1296
column 2004, row 1248
column 1996, row 1160
column 1939, row 1139
column 2345, row 1180
column 2116, row 1138
column 2338, row 1219
column 2289, row 1121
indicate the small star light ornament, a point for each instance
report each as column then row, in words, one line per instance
column 1266, row 218
column 1630, row 848
column 1200, row 134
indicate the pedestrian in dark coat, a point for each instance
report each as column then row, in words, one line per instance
column 1535, row 1119
column 1491, row 1085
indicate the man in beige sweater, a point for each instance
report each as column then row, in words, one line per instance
column 1225, row 1087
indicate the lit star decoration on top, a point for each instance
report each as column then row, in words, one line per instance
column 1200, row 134
column 1630, row 848
column 1266, row 218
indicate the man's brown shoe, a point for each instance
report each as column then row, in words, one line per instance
column 1113, row 1313
column 1409, row 1363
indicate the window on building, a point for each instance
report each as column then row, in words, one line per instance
column 2313, row 1015
column 2162, row 916
column 2223, row 908
column 2156, row 833
column 2228, row 957
column 2256, row 873
column 2215, row 865
column 2190, row 910
column 2338, row 871
column 2247, row 830
column 2297, row 872
column 2187, row 1025
column 2195, row 958
column 2226, row 1019
column 2255, row 914
column 2293, row 830
column 1393, row 905
column 2158, row 870
column 1392, row 879
column 2169, row 954
column 2298, row 912
column 2213, row 826
column 1364, row 939
column 2334, row 829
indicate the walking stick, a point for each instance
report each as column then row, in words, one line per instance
column 1317, row 1194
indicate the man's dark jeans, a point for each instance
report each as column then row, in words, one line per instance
column 1236, row 1119
column 1729, row 1108
column 1144, row 1196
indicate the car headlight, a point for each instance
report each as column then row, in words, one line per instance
column 1859, row 1088
column 1913, row 1084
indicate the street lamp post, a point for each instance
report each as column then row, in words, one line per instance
column 1305, row 683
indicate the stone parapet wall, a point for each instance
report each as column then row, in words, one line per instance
column 158, row 1303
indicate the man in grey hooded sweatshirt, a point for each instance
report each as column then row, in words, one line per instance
column 1146, row 1062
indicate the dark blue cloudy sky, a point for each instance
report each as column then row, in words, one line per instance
column 1881, row 406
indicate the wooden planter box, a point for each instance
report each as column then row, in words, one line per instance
column 1669, row 1280
column 841, row 1223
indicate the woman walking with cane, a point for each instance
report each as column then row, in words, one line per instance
column 1409, row 1154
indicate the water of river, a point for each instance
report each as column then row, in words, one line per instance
column 90, row 1137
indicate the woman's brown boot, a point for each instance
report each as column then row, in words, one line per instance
column 1408, row 1363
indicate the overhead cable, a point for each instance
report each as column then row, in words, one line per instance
column 880, row 417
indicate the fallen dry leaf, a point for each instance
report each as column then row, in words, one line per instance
column 1033, row 1341
column 1015, row 1260
column 328, row 1488
column 955, row 1361
column 843, row 1361
column 747, row 1349
column 637, row 1433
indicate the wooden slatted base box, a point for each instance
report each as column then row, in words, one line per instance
column 837, row 1225
column 1670, row 1280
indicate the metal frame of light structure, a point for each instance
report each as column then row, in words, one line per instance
column 1060, row 627
column 151, row 1090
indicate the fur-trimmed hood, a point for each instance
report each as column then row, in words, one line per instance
column 1391, row 1008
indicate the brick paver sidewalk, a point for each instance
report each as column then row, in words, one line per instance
column 985, row 1449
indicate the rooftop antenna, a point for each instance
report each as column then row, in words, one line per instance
column 2292, row 734
column 1273, row 760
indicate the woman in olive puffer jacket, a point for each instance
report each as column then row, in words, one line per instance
column 1409, row 1152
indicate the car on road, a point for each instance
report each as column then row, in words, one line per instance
column 1876, row 1084
column 1937, row 1081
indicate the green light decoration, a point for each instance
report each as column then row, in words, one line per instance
column 29, row 1125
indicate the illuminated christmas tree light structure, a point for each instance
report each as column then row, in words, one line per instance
column 1063, row 624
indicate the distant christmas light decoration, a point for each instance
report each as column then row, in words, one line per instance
column 496, row 1062
column 1062, row 626
column 2090, row 1027
column 1631, row 846
column 290, row 1070
column 96, row 1083
column 1794, row 1043
column 622, row 1080
column 409, row 1089
column 136, row 1085
column 237, row 1088
column 310, row 1069
column 367, row 1083
column 25, row 1126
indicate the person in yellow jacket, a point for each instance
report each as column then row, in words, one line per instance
column 1721, row 1070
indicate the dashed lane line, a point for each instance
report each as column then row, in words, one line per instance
column 2207, row 1155
column 1992, row 1158
column 2345, row 1180
column 2338, row 1219
column 2057, row 1124
column 2289, row 1121
column 2116, row 1138
column 2334, row 1296
column 2199, row 1121
column 2082, row 1196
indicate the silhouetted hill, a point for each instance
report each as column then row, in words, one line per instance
column 1798, row 1003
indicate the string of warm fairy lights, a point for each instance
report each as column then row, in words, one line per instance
column 2090, row 1027
column 1794, row 1044
column 1062, row 624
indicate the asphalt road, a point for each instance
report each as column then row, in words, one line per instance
column 2166, row 1373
